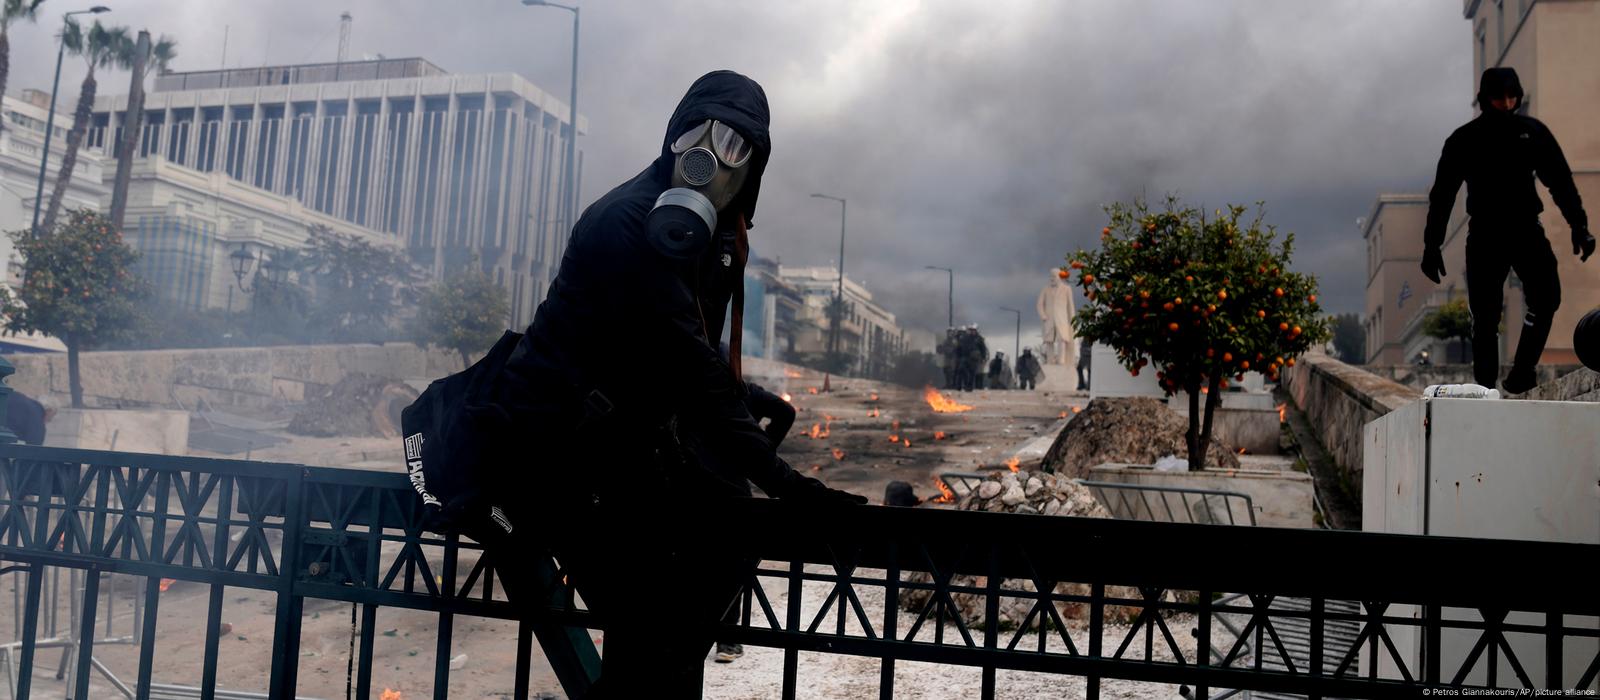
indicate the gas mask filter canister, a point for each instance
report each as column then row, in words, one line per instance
column 711, row 165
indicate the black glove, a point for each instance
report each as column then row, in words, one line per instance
column 765, row 404
column 1582, row 243
column 804, row 489
column 1433, row 264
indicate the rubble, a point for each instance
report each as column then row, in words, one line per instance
column 1033, row 493
column 1134, row 430
column 360, row 405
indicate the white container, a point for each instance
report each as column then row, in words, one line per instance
column 1520, row 470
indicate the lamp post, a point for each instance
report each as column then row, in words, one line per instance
column 1016, row 350
column 570, row 198
column 838, row 297
column 50, row 117
column 951, row 295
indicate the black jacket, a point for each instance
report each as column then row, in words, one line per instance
column 641, row 328
column 1497, row 155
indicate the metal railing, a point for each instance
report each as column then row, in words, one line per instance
column 1156, row 503
column 305, row 533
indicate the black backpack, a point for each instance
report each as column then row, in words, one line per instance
column 450, row 434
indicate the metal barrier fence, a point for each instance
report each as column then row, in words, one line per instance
column 1108, row 592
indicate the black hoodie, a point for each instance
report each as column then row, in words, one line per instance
column 1497, row 155
column 635, row 325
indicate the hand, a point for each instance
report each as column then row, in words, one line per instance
column 1433, row 264
column 1582, row 244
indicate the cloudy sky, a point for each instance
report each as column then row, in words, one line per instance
column 983, row 136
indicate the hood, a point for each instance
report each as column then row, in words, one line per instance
column 737, row 101
column 1495, row 83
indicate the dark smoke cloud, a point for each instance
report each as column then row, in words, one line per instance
column 980, row 136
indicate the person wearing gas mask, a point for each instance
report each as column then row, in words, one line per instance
column 1498, row 155
column 636, row 450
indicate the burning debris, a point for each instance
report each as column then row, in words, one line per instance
column 940, row 404
column 1283, row 409
column 389, row 695
column 939, row 435
column 811, row 390
column 873, row 413
column 1014, row 464
column 838, row 454
column 946, row 495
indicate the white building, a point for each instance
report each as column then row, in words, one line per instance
column 21, row 142
column 458, row 167
column 186, row 224
column 867, row 332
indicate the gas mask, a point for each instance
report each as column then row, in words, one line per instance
column 712, row 163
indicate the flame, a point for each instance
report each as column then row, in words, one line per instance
column 792, row 373
column 811, row 390
column 873, row 414
column 940, row 404
column 945, row 494
column 1014, row 464
column 820, row 431
column 1283, row 408
column 874, row 397
column 815, row 431
column 1241, row 450
column 167, row 583
column 894, row 438
column 907, row 441
column 938, row 435
column 389, row 695
column 787, row 398
column 1076, row 409
column 838, row 454
column 1063, row 415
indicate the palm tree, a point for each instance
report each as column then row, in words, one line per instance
column 99, row 47
column 156, row 55
column 10, row 10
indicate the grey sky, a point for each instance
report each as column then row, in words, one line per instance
column 977, row 135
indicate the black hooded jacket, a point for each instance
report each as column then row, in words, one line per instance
column 1497, row 155
column 642, row 328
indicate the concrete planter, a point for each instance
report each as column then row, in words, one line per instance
column 1245, row 419
column 1282, row 498
column 149, row 431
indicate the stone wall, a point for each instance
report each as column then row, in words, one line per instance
column 223, row 377
column 1420, row 377
column 1580, row 385
column 1338, row 399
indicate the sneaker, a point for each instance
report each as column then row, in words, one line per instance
column 726, row 653
column 1519, row 382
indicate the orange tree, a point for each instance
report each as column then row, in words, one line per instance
column 77, row 287
column 1198, row 299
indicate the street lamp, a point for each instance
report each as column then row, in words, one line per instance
column 838, row 299
column 243, row 260
column 951, row 322
column 570, row 200
column 1016, row 351
column 50, row 117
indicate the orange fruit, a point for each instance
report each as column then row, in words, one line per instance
column 1277, row 292
column 1227, row 357
column 1283, row 326
column 1289, row 362
column 1297, row 330
column 1261, row 314
column 1188, row 278
column 1312, row 298
column 1244, row 365
column 1178, row 300
column 1211, row 308
column 1089, row 279
column 1063, row 274
column 1211, row 352
column 1172, row 327
column 1167, row 306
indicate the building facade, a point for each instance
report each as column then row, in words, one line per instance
column 21, row 142
column 187, row 225
column 868, row 333
column 462, row 169
column 1551, row 44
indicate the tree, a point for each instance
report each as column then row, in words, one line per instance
column 357, row 289
column 466, row 313
column 139, row 55
column 78, row 288
column 1452, row 321
column 99, row 47
column 12, row 10
column 1203, row 299
column 1349, row 338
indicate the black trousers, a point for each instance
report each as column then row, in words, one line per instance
column 644, row 560
column 1493, row 251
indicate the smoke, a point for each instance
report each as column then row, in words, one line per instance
column 980, row 136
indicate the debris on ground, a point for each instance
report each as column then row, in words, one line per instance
column 1132, row 430
column 359, row 405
